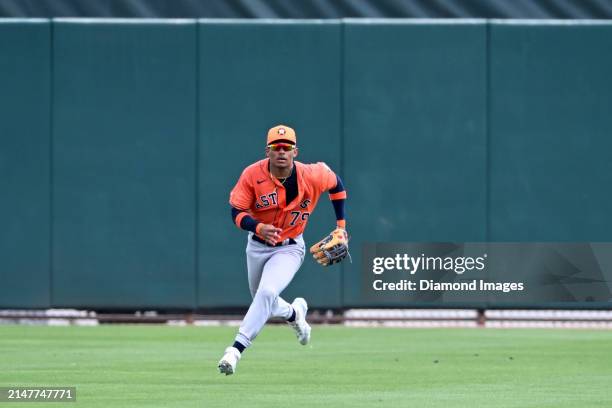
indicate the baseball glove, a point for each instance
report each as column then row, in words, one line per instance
column 331, row 249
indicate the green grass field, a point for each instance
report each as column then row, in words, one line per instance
column 161, row 366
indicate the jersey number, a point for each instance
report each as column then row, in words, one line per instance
column 296, row 216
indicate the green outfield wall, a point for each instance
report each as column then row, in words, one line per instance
column 253, row 76
column 25, row 162
column 120, row 141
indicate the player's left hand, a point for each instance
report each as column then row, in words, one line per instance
column 331, row 249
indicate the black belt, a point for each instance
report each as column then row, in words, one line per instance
column 289, row 241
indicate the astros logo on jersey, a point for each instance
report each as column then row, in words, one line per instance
column 266, row 200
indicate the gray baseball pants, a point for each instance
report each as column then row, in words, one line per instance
column 270, row 270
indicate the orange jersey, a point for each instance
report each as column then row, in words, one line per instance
column 262, row 196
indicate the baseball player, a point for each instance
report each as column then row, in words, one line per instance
column 273, row 200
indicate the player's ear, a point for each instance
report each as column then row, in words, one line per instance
column 295, row 152
column 267, row 152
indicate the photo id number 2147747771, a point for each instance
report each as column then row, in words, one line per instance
column 15, row 394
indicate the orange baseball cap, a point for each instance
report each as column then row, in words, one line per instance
column 281, row 132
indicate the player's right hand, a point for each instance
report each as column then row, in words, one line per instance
column 270, row 233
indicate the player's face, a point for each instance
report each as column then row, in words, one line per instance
column 281, row 155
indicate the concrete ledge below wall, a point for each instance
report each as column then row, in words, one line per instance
column 406, row 318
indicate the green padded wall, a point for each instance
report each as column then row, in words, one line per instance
column 551, row 132
column 120, row 142
column 254, row 75
column 24, row 163
column 414, row 134
column 124, row 164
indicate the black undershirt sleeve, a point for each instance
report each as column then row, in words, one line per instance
column 247, row 223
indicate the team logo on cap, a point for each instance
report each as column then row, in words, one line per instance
column 281, row 131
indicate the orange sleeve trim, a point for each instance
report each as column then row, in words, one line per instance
column 341, row 195
column 341, row 224
column 239, row 218
column 258, row 228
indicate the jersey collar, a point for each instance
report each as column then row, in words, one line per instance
column 265, row 167
column 299, row 168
